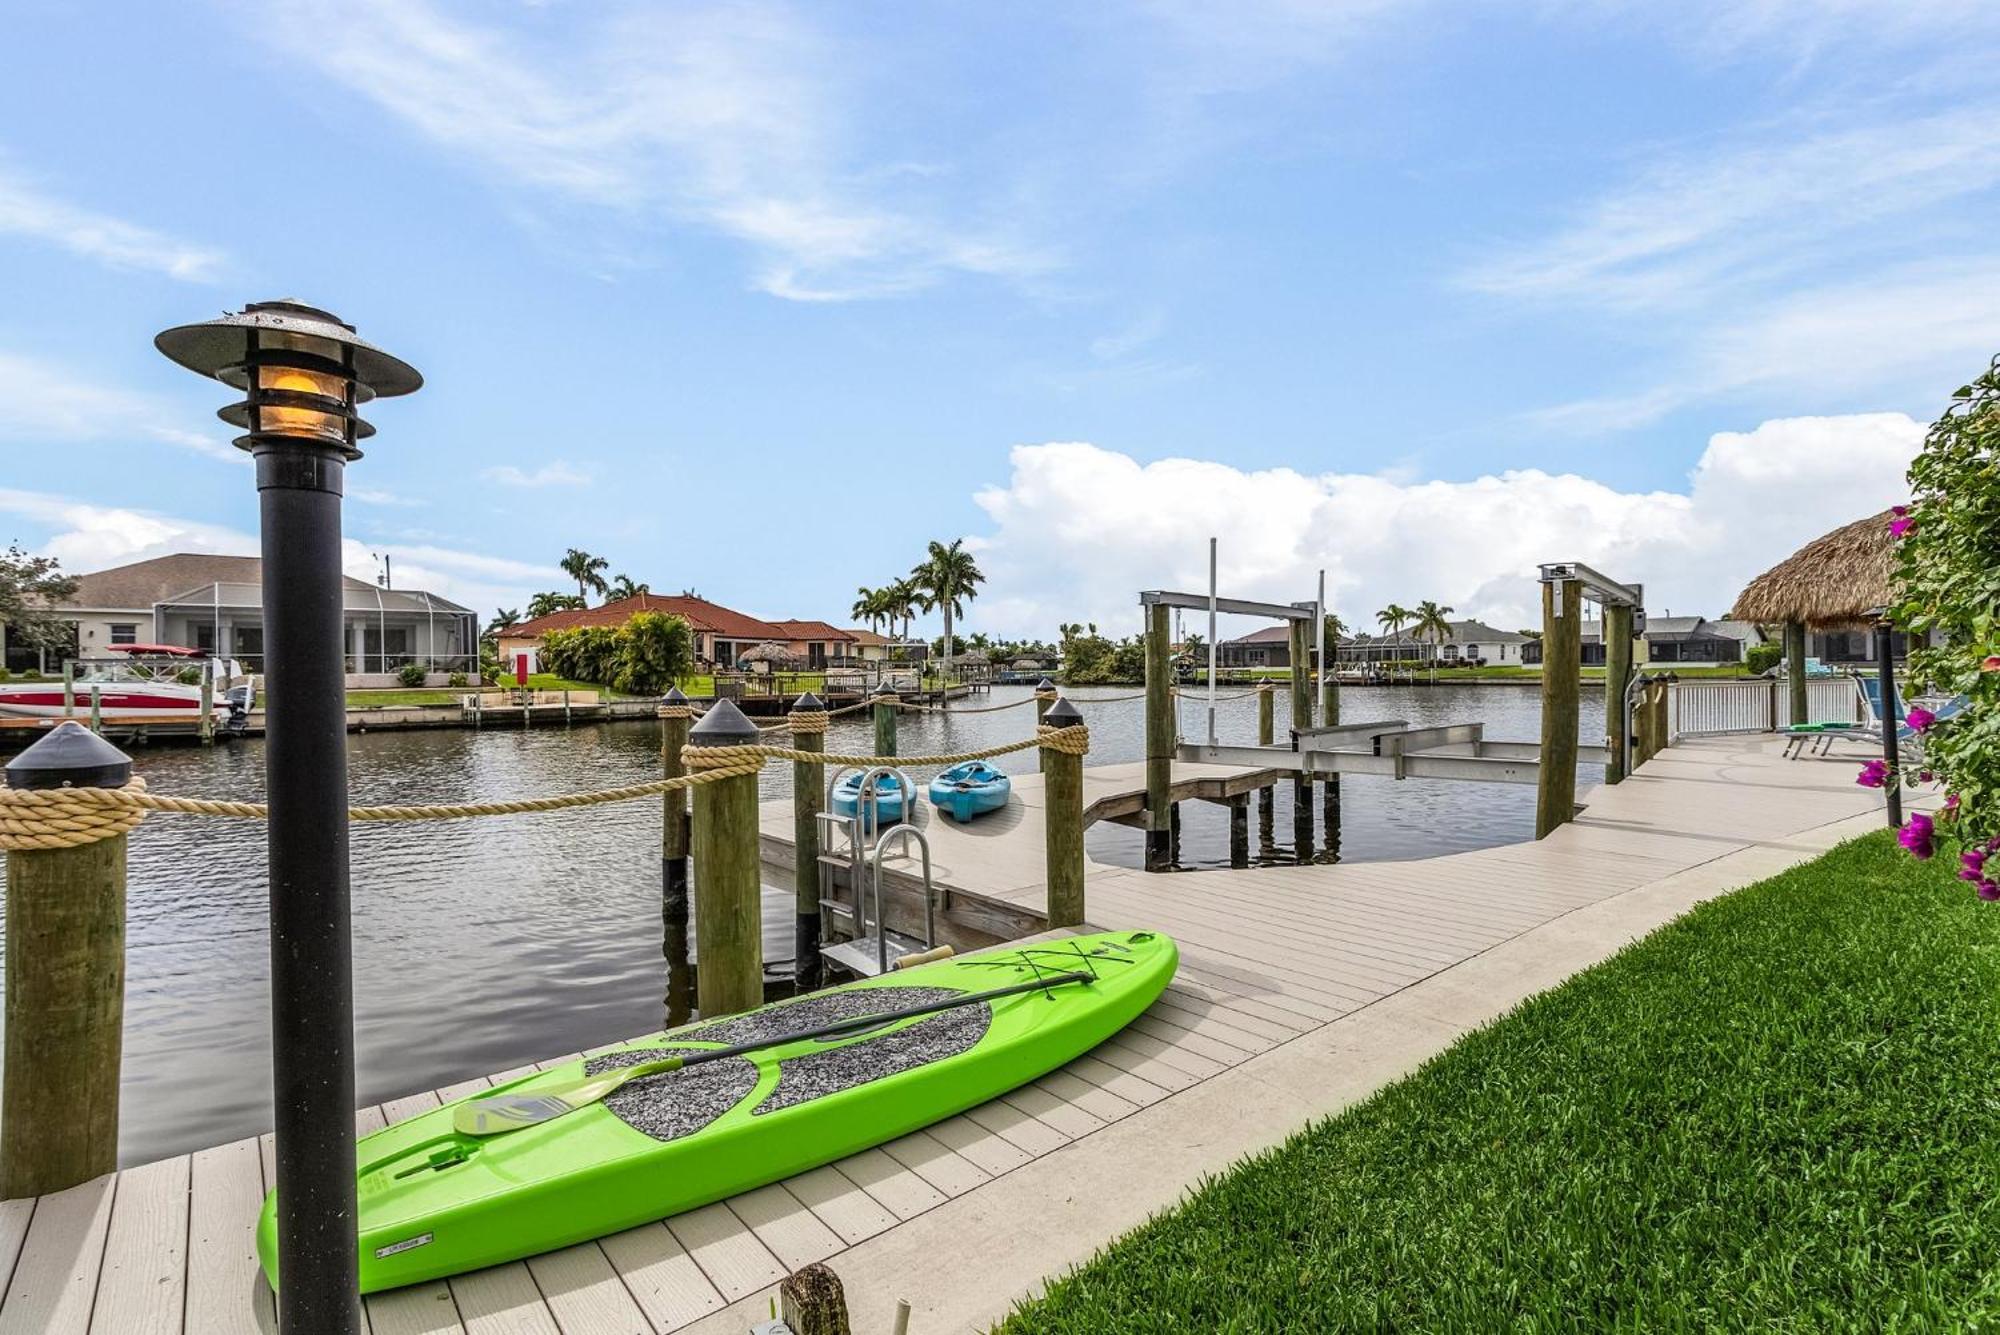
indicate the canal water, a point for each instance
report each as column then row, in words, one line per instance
column 483, row 944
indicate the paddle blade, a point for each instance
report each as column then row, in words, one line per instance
column 512, row 1112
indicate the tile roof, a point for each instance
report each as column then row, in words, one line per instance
column 796, row 629
column 867, row 639
column 701, row 614
column 136, row 587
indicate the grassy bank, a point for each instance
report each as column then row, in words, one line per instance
column 1777, row 1113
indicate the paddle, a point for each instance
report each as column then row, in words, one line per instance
column 511, row 1112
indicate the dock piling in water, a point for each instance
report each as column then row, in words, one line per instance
column 676, row 716
column 65, row 1004
column 887, row 705
column 728, row 907
column 808, row 725
column 1063, row 821
column 1562, row 671
column 1617, row 681
column 1159, row 734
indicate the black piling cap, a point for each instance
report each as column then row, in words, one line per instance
column 70, row 756
column 1062, row 714
column 884, row 688
column 723, row 725
column 808, row 703
column 1045, row 685
column 673, row 697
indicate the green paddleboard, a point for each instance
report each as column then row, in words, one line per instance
column 435, row 1202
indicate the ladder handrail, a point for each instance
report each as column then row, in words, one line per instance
column 875, row 861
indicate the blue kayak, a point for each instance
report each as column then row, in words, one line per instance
column 888, row 796
column 969, row 790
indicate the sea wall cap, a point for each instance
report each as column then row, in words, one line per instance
column 673, row 697
column 723, row 725
column 1062, row 714
column 1044, row 685
column 807, row 704
column 883, row 688
column 70, row 756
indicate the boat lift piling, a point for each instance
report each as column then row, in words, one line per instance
column 1160, row 732
column 885, row 711
column 808, row 727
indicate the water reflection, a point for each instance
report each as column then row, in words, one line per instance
column 483, row 944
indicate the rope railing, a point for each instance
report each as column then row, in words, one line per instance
column 50, row 818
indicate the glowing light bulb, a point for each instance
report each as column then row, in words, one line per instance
column 286, row 420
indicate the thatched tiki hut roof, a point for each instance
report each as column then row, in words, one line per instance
column 1843, row 579
column 777, row 655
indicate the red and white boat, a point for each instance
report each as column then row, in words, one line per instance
column 154, row 682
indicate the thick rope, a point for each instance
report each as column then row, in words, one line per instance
column 802, row 721
column 49, row 818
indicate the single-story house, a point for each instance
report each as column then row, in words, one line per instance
column 1270, row 647
column 1468, row 640
column 216, row 604
column 814, row 643
column 1669, row 640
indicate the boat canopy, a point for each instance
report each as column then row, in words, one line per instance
column 169, row 650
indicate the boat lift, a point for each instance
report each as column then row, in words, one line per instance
column 1391, row 748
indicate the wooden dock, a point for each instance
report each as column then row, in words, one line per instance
column 1285, row 1007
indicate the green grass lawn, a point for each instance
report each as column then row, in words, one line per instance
column 1780, row 1113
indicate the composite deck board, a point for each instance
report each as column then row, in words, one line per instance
column 1268, row 954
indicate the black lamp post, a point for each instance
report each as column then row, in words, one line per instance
column 304, row 372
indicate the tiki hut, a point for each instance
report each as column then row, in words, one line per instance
column 1841, row 580
column 770, row 656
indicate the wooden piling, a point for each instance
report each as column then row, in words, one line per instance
column 1302, row 718
column 205, row 729
column 1159, row 734
column 1562, row 671
column 1642, row 724
column 676, row 716
column 1062, row 821
column 1239, row 830
column 1795, row 669
column 1045, row 695
column 808, row 726
column 811, row 1302
column 1617, row 680
column 69, row 688
column 887, row 706
column 65, row 995
column 1267, row 693
column 728, row 910
column 1663, row 730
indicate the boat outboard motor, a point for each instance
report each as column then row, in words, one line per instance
column 239, row 699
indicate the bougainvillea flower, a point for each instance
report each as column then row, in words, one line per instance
column 1900, row 526
column 1989, row 891
column 1972, row 862
column 1874, row 774
column 1917, row 836
column 1920, row 718
column 1990, row 664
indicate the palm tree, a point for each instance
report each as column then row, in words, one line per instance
column 586, row 570
column 901, row 600
column 947, row 579
column 1330, row 631
column 623, row 587
column 1435, row 622
column 503, row 617
column 867, row 607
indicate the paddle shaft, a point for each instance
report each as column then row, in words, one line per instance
column 855, row 1023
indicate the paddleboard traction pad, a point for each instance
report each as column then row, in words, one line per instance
column 679, row 1103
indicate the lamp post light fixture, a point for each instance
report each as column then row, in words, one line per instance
column 304, row 373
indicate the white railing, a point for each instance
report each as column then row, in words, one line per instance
column 1761, row 705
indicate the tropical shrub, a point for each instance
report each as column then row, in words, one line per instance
column 642, row 657
column 1948, row 570
column 1089, row 661
column 455, row 680
column 411, row 674
column 1761, row 658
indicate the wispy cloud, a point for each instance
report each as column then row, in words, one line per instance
column 557, row 473
column 29, row 209
column 733, row 117
column 46, row 401
column 1695, row 222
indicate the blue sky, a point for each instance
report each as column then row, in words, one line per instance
column 757, row 298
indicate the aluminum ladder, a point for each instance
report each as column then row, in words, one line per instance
column 875, row 947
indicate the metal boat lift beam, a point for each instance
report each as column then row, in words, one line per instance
column 1598, row 588
column 1492, row 762
column 1198, row 602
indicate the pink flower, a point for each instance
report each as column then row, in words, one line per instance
column 1900, row 526
column 1972, row 863
column 1991, row 663
column 1920, row 718
column 1988, row 890
column 1874, row 774
column 1916, row 836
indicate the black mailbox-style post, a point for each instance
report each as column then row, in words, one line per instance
column 304, row 373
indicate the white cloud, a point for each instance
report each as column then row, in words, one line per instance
column 556, row 473
column 28, row 210
column 735, row 117
column 1079, row 530
column 47, row 402
column 85, row 536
